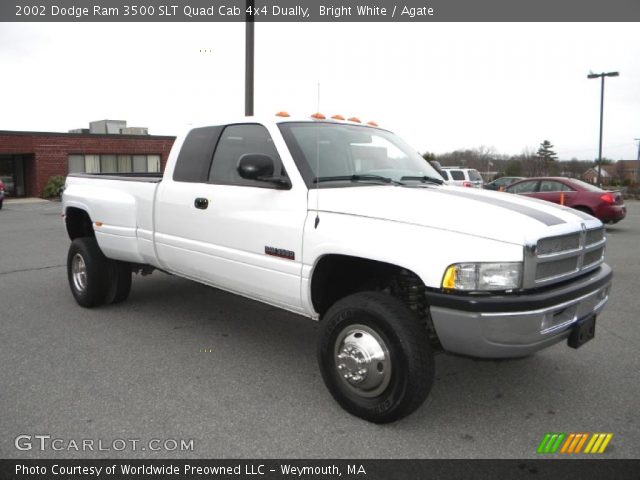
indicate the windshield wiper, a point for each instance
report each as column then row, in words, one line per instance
column 424, row 179
column 357, row 178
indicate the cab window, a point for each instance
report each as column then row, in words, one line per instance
column 236, row 141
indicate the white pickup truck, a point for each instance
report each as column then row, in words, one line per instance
column 346, row 224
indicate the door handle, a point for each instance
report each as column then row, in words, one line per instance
column 201, row 203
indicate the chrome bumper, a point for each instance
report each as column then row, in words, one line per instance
column 492, row 328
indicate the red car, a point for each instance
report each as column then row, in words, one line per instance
column 604, row 205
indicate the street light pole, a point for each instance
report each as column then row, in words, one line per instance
column 601, row 76
column 248, row 59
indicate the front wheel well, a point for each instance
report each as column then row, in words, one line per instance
column 336, row 276
column 78, row 223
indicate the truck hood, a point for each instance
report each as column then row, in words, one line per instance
column 495, row 215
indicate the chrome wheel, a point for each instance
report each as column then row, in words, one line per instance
column 362, row 360
column 79, row 273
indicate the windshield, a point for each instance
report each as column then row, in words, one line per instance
column 335, row 153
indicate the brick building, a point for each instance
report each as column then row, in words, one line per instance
column 29, row 159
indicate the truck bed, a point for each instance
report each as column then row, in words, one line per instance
column 120, row 207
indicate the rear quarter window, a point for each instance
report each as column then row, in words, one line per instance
column 194, row 159
column 474, row 176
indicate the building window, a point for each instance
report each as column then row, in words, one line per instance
column 109, row 163
column 153, row 163
column 92, row 163
column 124, row 164
column 76, row 164
column 139, row 163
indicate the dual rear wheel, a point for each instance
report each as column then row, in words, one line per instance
column 95, row 279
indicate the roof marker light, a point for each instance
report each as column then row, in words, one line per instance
column 282, row 114
column 355, row 120
column 338, row 117
column 318, row 116
column 372, row 123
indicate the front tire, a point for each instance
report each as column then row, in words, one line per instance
column 375, row 357
column 88, row 272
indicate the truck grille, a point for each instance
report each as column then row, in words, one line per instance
column 550, row 245
column 559, row 267
column 564, row 256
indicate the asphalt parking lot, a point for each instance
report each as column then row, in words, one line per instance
column 182, row 361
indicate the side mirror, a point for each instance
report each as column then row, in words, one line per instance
column 252, row 166
column 260, row 167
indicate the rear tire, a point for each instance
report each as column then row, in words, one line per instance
column 1, row 201
column 88, row 272
column 119, row 281
column 375, row 357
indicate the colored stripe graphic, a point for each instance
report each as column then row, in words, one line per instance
column 582, row 442
column 565, row 447
column 555, row 446
column 598, row 443
column 543, row 443
column 578, row 442
column 573, row 443
column 550, row 442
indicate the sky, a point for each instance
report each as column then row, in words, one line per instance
column 440, row 86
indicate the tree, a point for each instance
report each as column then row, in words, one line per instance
column 547, row 156
column 428, row 156
column 531, row 163
column 605, row 161
column 574, row 169
column 513, row 168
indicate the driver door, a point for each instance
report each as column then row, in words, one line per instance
column 240, row 235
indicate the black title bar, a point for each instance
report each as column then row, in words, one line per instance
column 320, row 11
column 577, row 469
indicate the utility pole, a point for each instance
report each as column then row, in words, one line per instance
column 248, row 59
column 638, row 166
column 601, row 76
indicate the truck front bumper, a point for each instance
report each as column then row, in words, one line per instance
column 503, row 326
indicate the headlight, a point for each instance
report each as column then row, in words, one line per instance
column 482, row 276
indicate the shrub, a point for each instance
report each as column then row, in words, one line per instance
column 53, row 186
